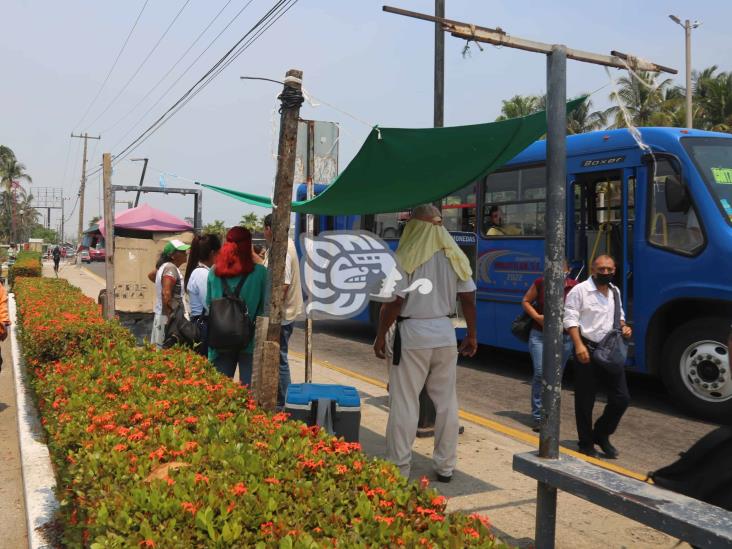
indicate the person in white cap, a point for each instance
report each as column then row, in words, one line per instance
column 168, row 286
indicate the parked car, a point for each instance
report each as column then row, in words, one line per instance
column 85, row 256
column 97, row 254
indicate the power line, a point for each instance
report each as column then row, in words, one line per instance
column 272, row 16
column 106, row 79
column 185, row 71
column 144, row 61
column 149, row 93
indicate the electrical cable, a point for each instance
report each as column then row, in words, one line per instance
column 149, row 93
column 185, row 71
column 144, row 61
column 272, row 16
column 106, row 78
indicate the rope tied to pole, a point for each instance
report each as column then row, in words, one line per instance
column 290, row 98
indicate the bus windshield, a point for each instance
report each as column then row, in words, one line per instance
column 713, row 159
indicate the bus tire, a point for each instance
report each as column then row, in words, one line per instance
column 696, row 369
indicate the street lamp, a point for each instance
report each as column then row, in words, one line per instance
column 687, row 26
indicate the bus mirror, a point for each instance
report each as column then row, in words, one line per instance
column 677, row 196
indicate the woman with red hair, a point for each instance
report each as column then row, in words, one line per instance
column 234, row 263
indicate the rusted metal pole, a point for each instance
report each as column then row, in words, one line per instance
column 554, row 238
column 109, row 305
column 291, row 99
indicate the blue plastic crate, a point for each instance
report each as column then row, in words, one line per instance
column 302, row 399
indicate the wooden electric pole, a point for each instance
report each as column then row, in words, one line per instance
column 109, row 305
column 291, row 98
column 82, row 188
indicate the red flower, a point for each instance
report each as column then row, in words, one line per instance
column 271, row 480
column 147, row 543
column 120, row 448
column 190, row 420
column 189, row 507
column 439, row 500
column 239, row 489
column 200, row 478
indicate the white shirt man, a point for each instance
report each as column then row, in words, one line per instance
column 589, row 315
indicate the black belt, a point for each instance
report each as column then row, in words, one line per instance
column 396, row 350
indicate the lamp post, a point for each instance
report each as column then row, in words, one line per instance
column 687, row 26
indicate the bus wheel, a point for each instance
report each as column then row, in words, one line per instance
column 696, row 368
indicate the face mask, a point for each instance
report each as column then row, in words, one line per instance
column 603, row 278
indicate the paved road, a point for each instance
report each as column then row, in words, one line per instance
column 495, row 384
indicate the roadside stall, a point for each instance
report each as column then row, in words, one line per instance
column 139, row 237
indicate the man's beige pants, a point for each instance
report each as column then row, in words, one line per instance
column 437, row 366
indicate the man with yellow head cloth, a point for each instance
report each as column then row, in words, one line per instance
column 424, row 353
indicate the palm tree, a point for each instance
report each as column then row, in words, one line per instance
column 713, row 97
column 11, row 173
column 520, row 105
column 583, row 120
column 646, row 100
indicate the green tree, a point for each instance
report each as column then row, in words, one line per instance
column 713, row 100
column 647, row 100
column 48, row 235
column 520, row 105
column 216, row 227
column 252, row 222
column 12, row 173
column 583, row 119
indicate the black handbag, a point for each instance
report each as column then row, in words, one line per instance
column 612, row 350
column 521, row 326
column 180, row 330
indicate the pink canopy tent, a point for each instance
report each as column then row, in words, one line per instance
column 147, row 218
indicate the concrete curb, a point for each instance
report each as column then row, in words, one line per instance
column 38, row 477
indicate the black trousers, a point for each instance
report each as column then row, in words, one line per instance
column 588, row 380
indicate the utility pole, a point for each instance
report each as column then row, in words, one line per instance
column 109, row 305
column 310, row 230
column 687, row 26
column 439, row 110
column 82, row 188
column 291, row 99
column 142, row 176
column 555, row 229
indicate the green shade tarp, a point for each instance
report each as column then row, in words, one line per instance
column 397, row 169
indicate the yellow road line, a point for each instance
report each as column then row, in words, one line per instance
column 94, row 275
column 485, row 422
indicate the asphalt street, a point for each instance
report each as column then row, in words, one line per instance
column 495, row 384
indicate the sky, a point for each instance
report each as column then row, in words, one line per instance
column 374, row 67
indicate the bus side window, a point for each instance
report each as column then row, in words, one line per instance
column 459, row 210
column 514, row 203
column 676, row 231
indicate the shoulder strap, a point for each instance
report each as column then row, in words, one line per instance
column 616, row 296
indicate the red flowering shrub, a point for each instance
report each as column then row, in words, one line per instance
column 156, row 449
column 59, row 321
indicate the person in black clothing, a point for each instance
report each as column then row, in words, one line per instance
column 56, row 259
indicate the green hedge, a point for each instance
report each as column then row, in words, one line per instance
column 26, row 264
column 156, row 449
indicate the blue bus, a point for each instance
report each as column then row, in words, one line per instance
column 664, row 212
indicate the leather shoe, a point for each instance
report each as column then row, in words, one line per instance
column 608, row 449
column 443, row 478
column 589, row 451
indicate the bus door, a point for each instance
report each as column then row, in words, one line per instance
column 603, row 220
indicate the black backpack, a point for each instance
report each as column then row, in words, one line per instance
column 704, row 471
column 229, row 326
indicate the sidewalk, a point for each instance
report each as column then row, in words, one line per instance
column 484, row 481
